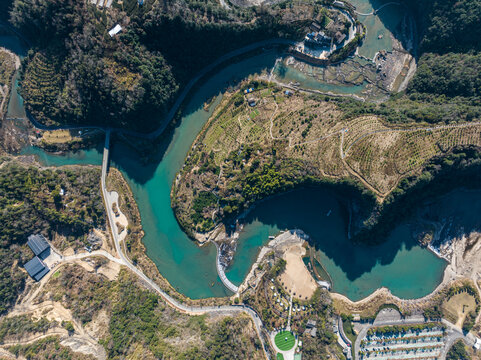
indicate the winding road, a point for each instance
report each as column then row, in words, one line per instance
column 123, row 260
column 193, row 310
column 180, row 99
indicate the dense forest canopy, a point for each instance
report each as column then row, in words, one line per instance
column 449, row 34
column 77, row 73
column 452, row 74
column 447, row 25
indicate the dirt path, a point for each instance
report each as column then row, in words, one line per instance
column 81, row 341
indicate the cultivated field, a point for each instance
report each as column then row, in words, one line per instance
column 312, row 130
column 310, row 133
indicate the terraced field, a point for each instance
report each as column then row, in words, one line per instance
column 7, row 69
column 42, row 86
column 382, row 155
column 310, row 133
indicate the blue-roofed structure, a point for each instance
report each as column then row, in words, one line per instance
column 36, row 268
column 38, row 244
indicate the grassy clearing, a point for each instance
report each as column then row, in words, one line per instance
column 285, row 340
column 458, row 307
column 349, row 329
column 59, row 136
column 56, row 274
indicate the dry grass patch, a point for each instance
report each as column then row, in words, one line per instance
column 58, row 136
column 367, row 307
column 458, row 306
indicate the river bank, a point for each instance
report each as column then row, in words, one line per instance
column 168, row 247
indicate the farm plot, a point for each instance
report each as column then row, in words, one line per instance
column 361, row 127
column 382, row 156
column 236, row 126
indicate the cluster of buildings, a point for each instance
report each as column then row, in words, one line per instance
column 311, row 328
column 317, row 38
column 36, row 268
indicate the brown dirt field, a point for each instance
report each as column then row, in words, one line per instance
column 366, row 307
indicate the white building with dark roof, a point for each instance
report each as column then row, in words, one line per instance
column 115, row 30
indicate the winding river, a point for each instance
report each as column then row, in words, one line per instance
column 408, row 270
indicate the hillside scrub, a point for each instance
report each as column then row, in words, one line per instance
column 18, row 326
column 47, row 348
column 244, row 155
column 138, row 321
column 458, row 351
column 31, row 203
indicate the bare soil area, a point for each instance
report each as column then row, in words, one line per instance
column 296, row 279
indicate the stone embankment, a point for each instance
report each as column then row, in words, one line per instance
column 221, row 271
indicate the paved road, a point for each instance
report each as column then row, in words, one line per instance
column 180, row 99
column 230, row 309
column 454, row 334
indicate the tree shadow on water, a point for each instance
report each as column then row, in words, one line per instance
column 392, row 16
column 323, row 215
column 212, row 85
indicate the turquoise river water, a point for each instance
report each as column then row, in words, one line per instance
column 408, row 270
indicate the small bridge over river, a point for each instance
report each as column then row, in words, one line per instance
column 374, row 12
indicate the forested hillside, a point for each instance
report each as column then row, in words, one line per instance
column 31, row 203
column 447, row 25
column 77, row 73
column 449, row 34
